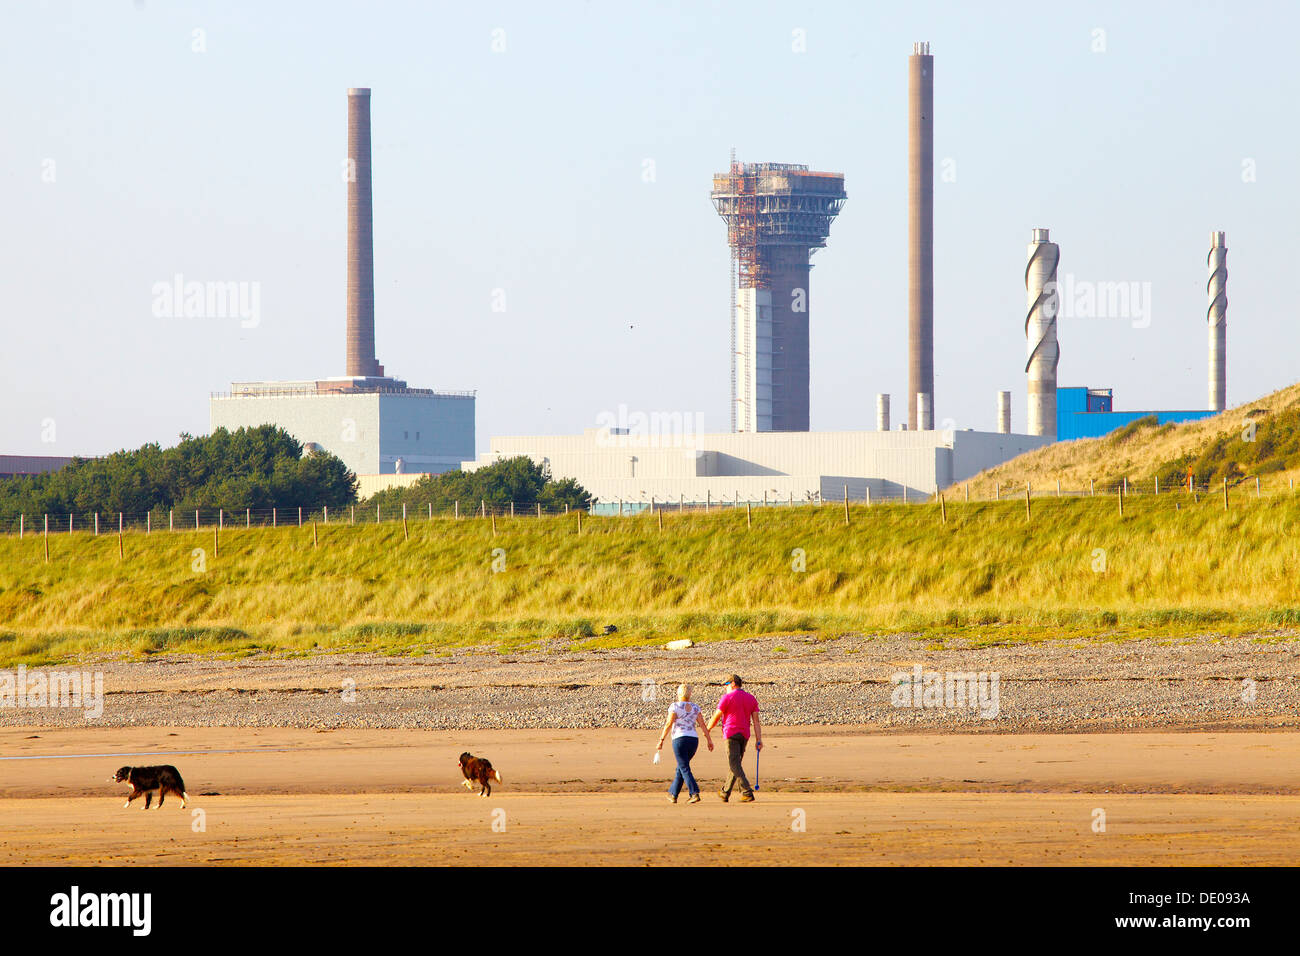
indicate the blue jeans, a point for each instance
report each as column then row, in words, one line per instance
column 684, row 748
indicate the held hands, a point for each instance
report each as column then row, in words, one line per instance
column 758, row 745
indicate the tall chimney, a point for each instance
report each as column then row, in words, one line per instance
column 1217, row 316
column 1040, row 333
column 361, row 241
column 1004, row 413
column 882, row 412
column 920, row 230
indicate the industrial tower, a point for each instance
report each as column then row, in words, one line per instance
column 777, row 215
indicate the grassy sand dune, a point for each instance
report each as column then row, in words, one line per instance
column 1138, row 453
column 1078, row 568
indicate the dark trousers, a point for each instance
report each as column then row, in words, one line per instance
column 684, row 748
column 735, row 753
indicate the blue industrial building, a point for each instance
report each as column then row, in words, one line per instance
column 1089, row 413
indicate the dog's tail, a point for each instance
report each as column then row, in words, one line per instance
column 497, row 774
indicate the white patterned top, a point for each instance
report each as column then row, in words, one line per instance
column 684, row 715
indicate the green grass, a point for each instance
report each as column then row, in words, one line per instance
column 986, row 574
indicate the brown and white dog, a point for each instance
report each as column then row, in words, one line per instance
column 478, row 770
column 148, row 780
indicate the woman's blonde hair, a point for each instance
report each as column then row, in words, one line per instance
column 683, row 692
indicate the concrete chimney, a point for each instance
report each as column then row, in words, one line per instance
column 1217, row 287
column 920, row 229
column 924, row 413
column 882, row 412
column 1040, row 333
column 1004, row 413
column 361, row 241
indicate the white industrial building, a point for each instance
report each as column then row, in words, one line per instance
column 618, row 464
column 375, row 429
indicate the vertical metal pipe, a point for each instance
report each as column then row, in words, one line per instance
column 882, row 412
column 1004, row 412
column 920, row 229
column 1040, row 333
column 1217, row 317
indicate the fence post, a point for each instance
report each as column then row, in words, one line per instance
column 1058, row 487
column 455, row 509
column 483, row 507
column 326, row 515
column 494, row 524
column 96, row 522
column 148, row 522
column 300, row 516
column 539, row 507
column 1157, row 484
column 708, row 499
column 1119, row 493
column 20, row 527
column 273, row 517
column 764, row 497
column 69, row 522
column 846, row 505
column 1091, row 489
column 943, row 510
column 512, row 509
column 216, row 542
column 314, row 539
column 121, row 555
column 221, row 518
column 406, row 534
column 968, row 492
column 47, row 539
column 868, row 496
column 1126, row 484
column 430, row 510
column 1225, row 492
column 1257, row 486
column 1028, row 514
column 196, row 519
column 248, row 517
column 904, row 494
column 997, row 491
column 352, row 514
column 681, row 502
column 171, row 520
column 119, row 523
column 749, row 517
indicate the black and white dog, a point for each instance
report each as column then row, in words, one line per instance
column 148, row 780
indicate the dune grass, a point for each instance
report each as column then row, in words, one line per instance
column 987, row 573
column 1139, row 451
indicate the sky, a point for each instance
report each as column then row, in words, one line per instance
column 543, row 228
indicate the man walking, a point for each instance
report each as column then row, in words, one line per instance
column 736, row 709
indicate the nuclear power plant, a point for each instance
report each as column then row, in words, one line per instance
column 777, row 215
column 374, row 423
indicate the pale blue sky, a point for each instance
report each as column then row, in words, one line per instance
column 523, row 170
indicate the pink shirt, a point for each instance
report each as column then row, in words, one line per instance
column 737, row 706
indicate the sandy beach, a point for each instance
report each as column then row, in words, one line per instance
column 839, row 795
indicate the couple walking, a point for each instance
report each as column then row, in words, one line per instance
column 736, row 710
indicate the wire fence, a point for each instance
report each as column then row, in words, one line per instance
column 198, row 519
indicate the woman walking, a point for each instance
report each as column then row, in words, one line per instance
column 683, row 718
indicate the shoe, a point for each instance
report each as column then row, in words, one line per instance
column 695, row 798
column 746, row 798
column 671, row 798
column 724, row 795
